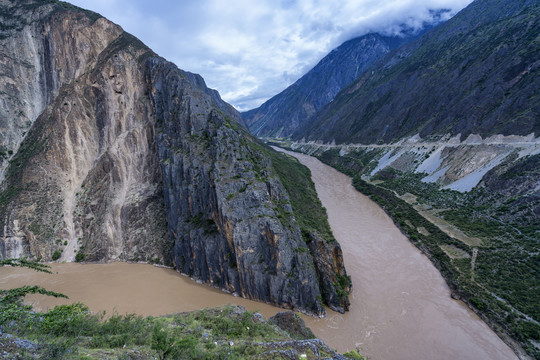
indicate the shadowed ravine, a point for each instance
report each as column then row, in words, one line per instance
column 400, row 305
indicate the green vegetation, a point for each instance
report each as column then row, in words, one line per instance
column 501, row 283
column 296, row 178
column 23, row 262
column 80, row 256
column 15, row 169
column 56, row 255
column 307, row 208
column 490, row 286
column 342, row 285
column 74, row 332
column 208, row 225
column 354, row 355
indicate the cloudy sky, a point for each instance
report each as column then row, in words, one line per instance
column 251, row 50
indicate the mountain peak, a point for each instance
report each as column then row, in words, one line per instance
column 283, row 113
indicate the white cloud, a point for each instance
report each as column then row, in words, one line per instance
column 251, row 50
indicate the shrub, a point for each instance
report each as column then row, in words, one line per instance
column 353, row 354
column 57, row 349
column 56, row 255
column 66, row 320
column 80, row 256
column 163, row 343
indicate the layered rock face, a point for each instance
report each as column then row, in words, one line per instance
column 123, row 156
column 221, row 198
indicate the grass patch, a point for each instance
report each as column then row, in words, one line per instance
column 69, row 331
column 307, row 208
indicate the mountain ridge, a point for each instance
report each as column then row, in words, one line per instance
column 290, row 109
column 404, row 90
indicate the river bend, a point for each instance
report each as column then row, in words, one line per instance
column 400, row 306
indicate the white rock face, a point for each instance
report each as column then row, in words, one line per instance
column 37, row 61
column 449, row 162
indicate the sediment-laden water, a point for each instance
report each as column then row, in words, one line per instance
column 400, row 305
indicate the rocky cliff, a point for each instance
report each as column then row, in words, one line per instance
column 284, row 113
column 113, row 153
column 84, row 175
column 475, row 74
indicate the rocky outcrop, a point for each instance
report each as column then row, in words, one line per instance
column 293, row 324
column 470, row 75
column 334, row 282
column 126, row 157
column 514, row 184
column 223, row 199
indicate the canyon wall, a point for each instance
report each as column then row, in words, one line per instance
column 114, row 154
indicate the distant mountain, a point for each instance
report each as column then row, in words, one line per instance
column 477, row 73
column 284, row 113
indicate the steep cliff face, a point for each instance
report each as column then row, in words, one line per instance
column 284, row 113
column 86, row 177
column 222, row 200
column 130, row 158
column 225, row 203
column 475, row 74
column 31, row 74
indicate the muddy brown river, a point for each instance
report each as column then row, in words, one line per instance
column 400, row 306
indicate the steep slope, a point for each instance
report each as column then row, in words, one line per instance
column 477, row 73
column 284, row 113
column 87, row 172
column 227, row 209
column 116, row 154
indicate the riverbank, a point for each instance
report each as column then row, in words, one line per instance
column 401, row 306
column 399, row 211
column 73, row 332
column 453, row 258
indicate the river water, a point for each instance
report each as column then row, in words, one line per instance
column 400, row 305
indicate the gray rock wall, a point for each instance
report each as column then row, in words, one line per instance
column 222, row 200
